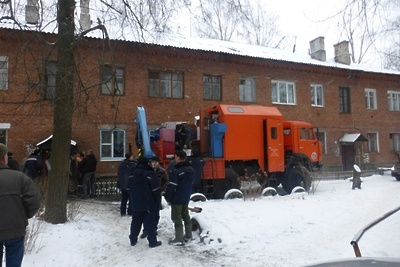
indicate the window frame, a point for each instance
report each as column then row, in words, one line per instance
column 214, row 87
column 111, row 144
column 3, row 73
column 314, row 95
column 370, row 93
column 4, row 132
column 113, row 77
column 50, row 90
column 373, row 142
column 247, row 89
column 276, row 91
column 166, row 84
column 394, row 139
column 393, row 100
column 324, row 146
column 344, row 100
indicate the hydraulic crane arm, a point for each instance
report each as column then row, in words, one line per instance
column 142, row 134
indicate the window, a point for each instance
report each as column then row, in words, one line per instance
column 3, row 73
column 322, row 138
column 344, row 100
column 51, row 75
column 112, row 80
column 372, row 142
column 317, row 95
column 283, row 92
column 394, row 142
column 165, row 84
column 306, row 134
column 212, row 87
column 112, row 144
column 394, row 100
column 3, row 132
column 370, row 98
column 3, row 136
column 247, row 90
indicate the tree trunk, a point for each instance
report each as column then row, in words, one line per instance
column 56, row 199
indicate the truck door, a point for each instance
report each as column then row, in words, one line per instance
column 274, row 145
column 309, row 144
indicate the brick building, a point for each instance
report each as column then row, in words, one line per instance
column 356, row 109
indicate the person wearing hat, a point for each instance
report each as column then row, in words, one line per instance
column 144, row 192
column 162, row 180
column 19, row 201
column 160, row 172
column 178, row 194
column 12, row 163
column 124, row 169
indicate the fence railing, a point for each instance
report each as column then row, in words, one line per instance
column 107, row 186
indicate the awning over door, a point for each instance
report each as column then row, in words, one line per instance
column 351, row 138
column 73, row 143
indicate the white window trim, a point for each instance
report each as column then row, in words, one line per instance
column 390, row 92
column 371, row 90
column 253, row 89
column 294, row 92
column 5, row 126
column 377, row 142
column 323, row 97
column 105, row 128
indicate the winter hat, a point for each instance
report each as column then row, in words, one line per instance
column 128, row 155
column 3, row 150
column 181, row 154
column 155, row 158
column 143, row 160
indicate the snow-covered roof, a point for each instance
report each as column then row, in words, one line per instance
column 119, row 31
column 73, row 143
column 247, row 50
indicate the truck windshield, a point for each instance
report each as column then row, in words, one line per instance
column 306, row 134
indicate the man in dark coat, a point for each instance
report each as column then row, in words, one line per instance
column 19, row 200
column 145, row 196
column 178, row 194
column 124, row 170
column 197, row 165
column 33, row 165
column 88, row 168
column 12, row 163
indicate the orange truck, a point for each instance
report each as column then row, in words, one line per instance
column 244, row 143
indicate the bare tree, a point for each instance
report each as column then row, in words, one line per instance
column 392, row 54
column 219, row 19
column 260, row 27
column 124, row 19
column 56, row 203
column 364, row 23
column 232, row 20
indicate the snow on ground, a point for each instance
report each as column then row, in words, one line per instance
column 291, row 230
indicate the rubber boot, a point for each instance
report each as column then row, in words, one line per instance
column 188, row 232
column 178, row 241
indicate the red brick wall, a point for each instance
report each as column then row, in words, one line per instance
column 32, row 121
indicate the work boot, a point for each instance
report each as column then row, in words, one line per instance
column 156, row 244
column 178, row 241
column 133, row 240
column 144, row 234
column 188, row 232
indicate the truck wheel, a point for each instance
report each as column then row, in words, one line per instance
column 269, row 191
column 296, row 177
column 198, row 197
column 233, row 193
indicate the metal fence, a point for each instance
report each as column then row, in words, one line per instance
column 107, row 186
